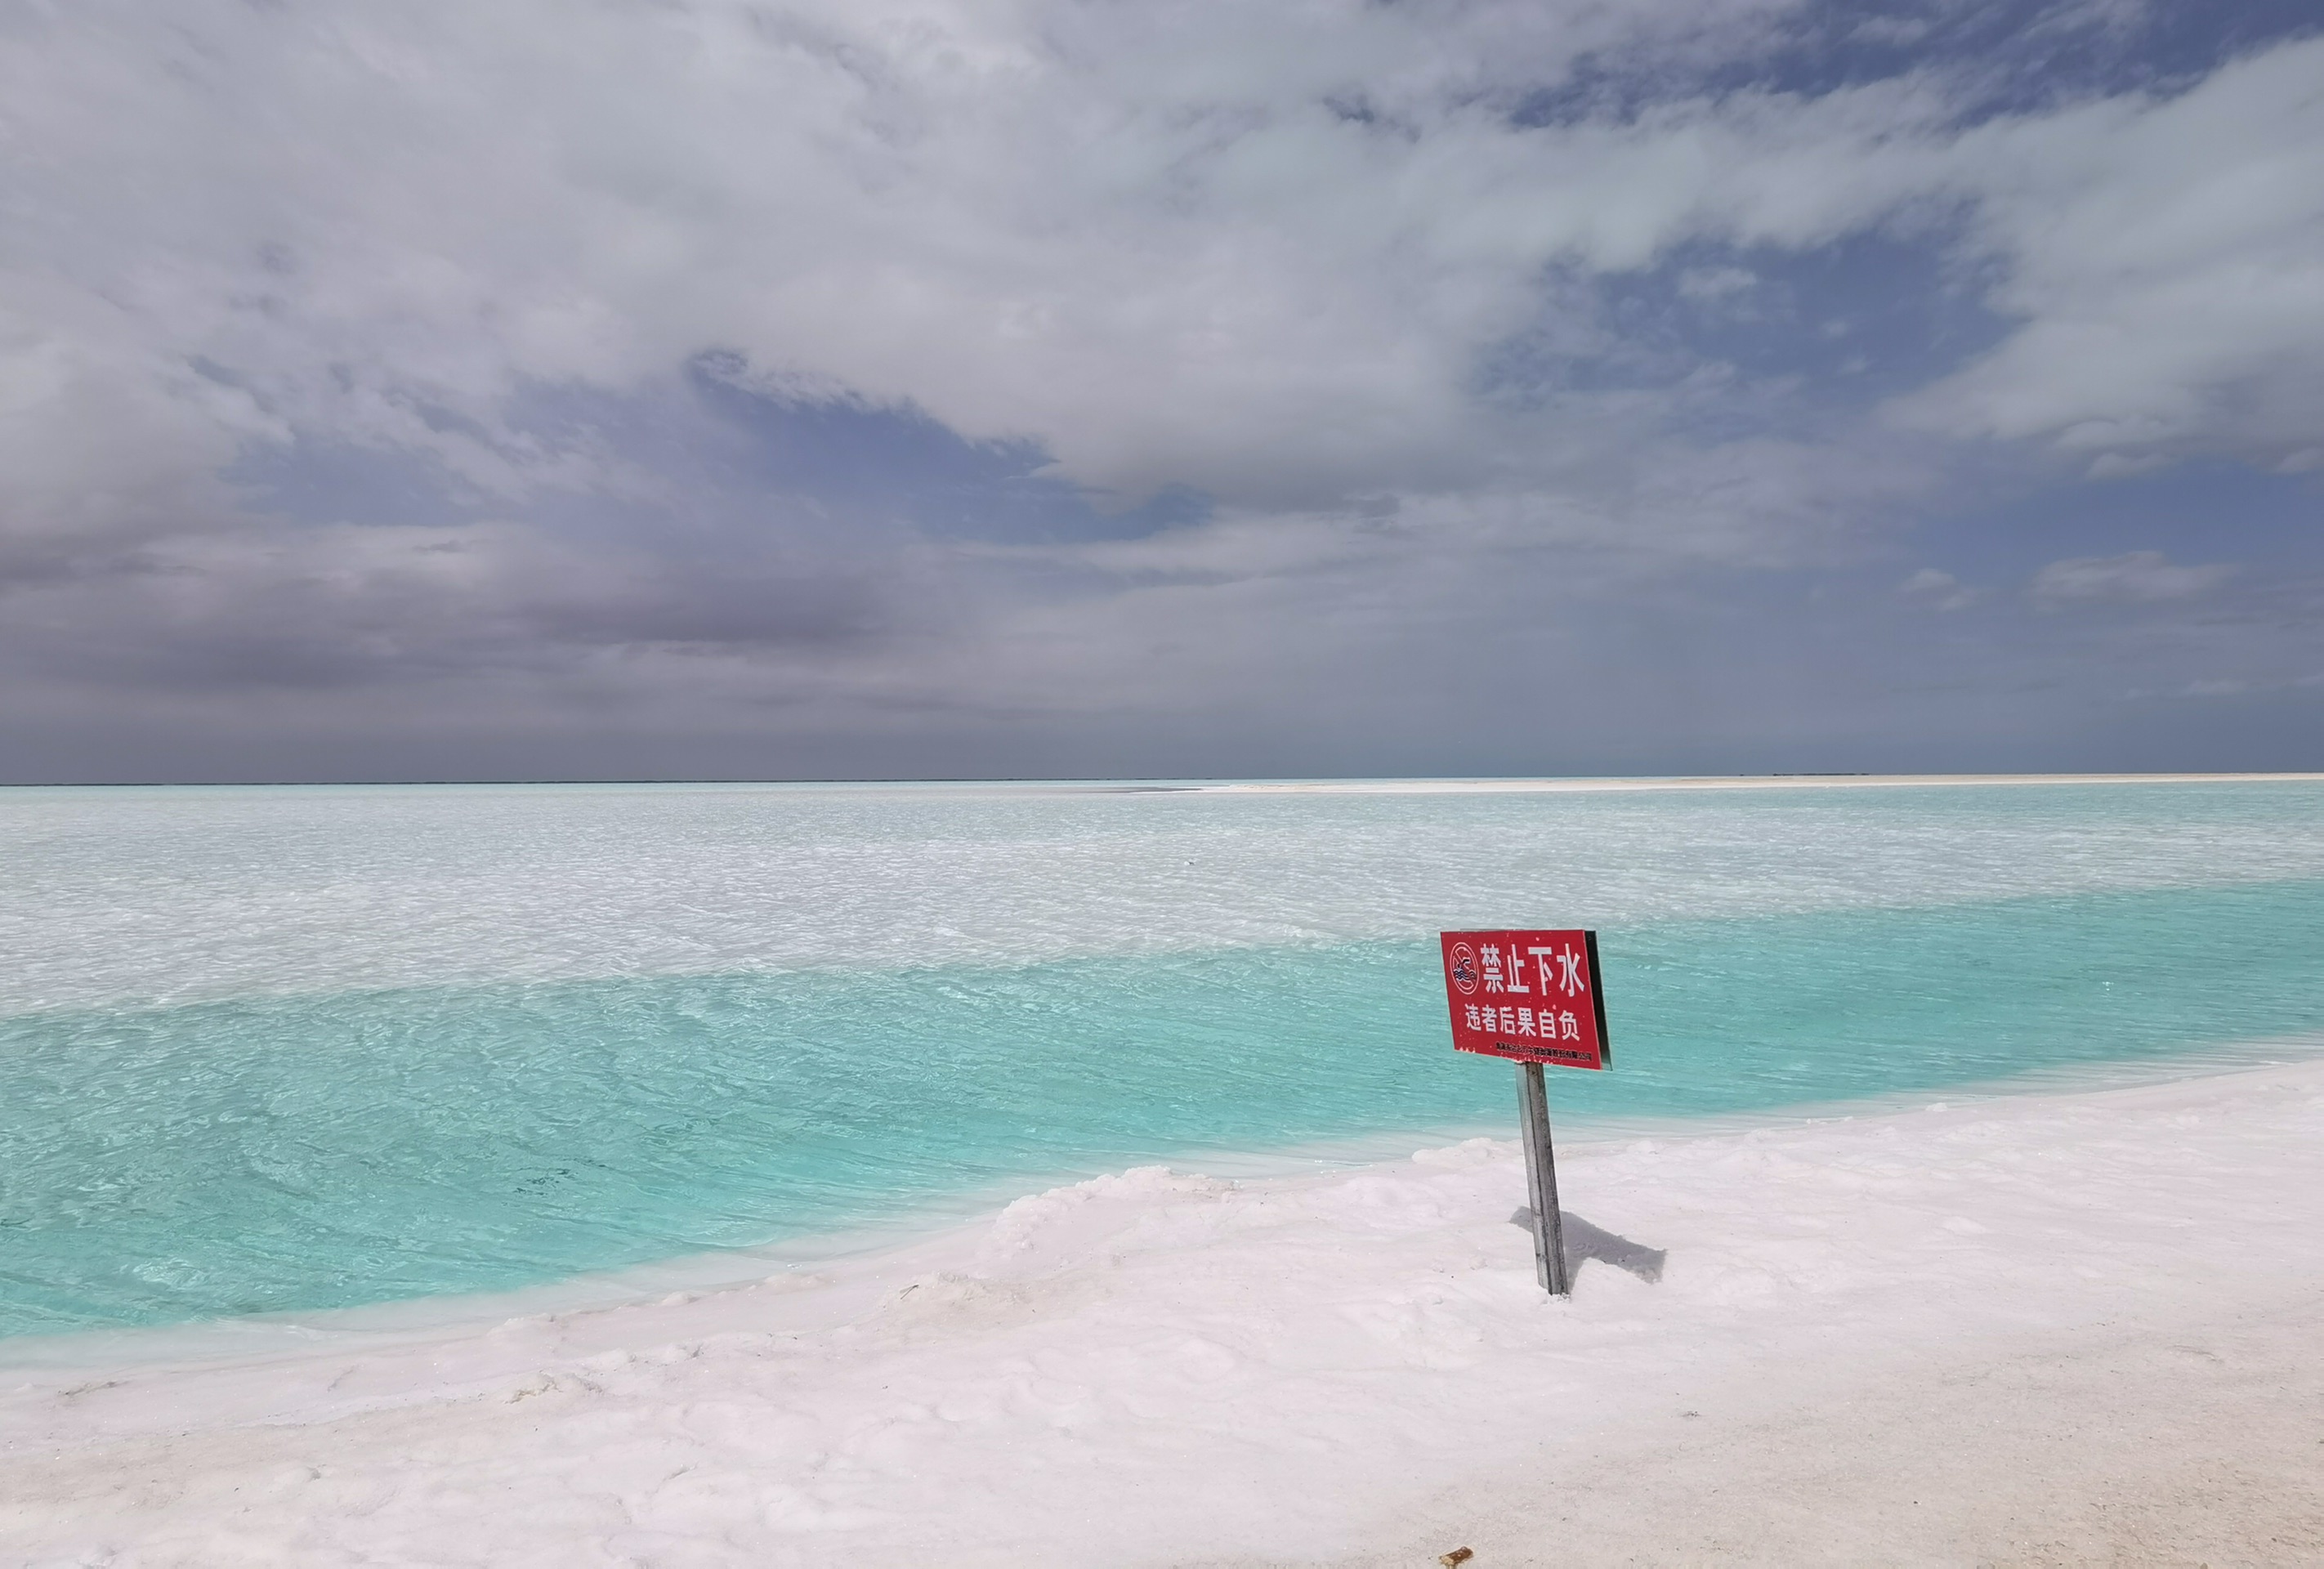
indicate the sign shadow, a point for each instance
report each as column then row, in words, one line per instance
column 1585, row 1242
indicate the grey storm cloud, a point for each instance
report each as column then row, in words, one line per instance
column 929, row 385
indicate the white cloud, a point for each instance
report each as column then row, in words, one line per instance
column 1711, row 285
column 1268, row 253
column 1252, row 251
column 1150, row 241
column 2164, row 257
column 1939, row 588
column 2138, row 577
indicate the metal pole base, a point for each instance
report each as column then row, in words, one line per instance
column 1541, row 1182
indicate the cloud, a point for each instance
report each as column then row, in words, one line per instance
column 1083, row 227
column 2163, row 259
column 1939, row 589
column 1257, row 255
column 2138, row 577
column 1015, row 358
column 1269, row 279
column 1715, row 285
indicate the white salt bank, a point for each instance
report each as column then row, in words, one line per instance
column 2040, row 1329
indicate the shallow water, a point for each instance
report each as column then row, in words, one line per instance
column 309, row 1048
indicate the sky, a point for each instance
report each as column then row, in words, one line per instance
column 669, row 388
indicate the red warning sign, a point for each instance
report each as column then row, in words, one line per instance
column 1530, row 996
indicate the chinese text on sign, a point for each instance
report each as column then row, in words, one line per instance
column 1530, row 996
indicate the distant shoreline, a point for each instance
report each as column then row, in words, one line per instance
column 1730, row 782
column 1450, row 785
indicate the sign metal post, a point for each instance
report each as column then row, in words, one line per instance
column 1533, row 997
column 1541, row 1183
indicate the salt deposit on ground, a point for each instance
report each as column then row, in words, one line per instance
column 2041, row 1329
column 1586, row 786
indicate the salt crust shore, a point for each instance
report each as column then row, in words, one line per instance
column 1456, row 787
column 2045, row 1329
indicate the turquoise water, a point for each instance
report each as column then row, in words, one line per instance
column 304, row 1147
column 302, row 1153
